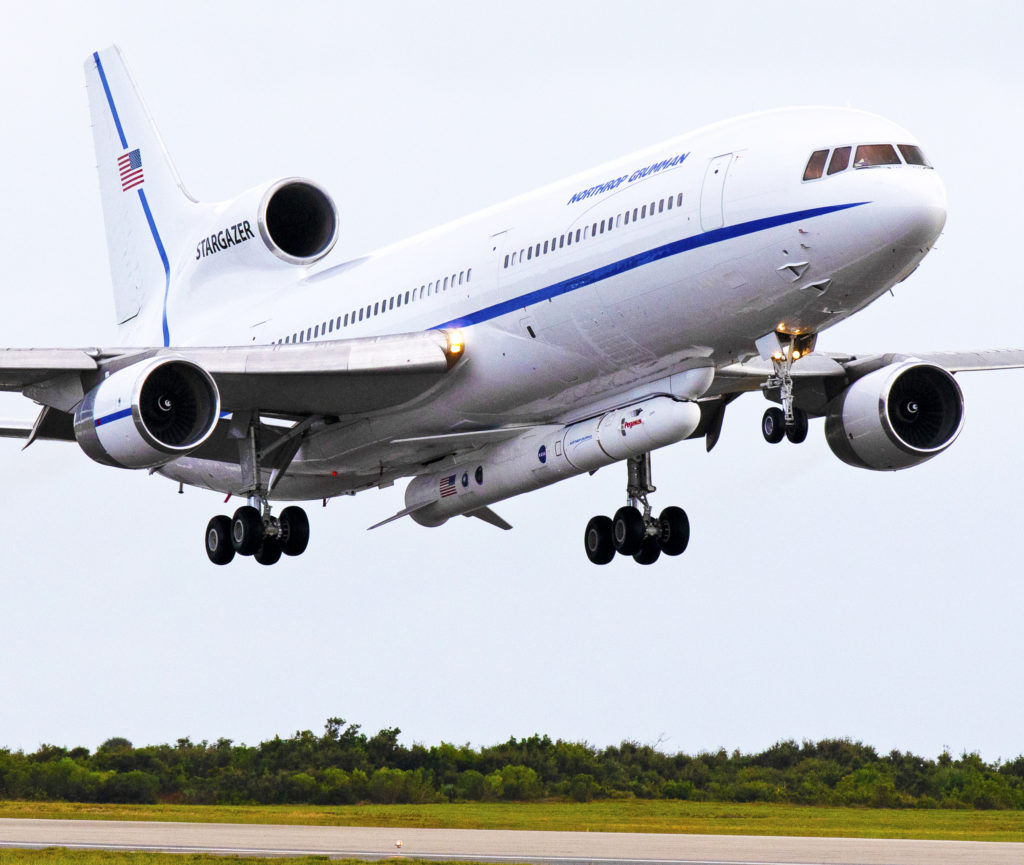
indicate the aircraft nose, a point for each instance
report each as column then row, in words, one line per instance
column 915, row 206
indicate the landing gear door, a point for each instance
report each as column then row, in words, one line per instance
column 711, row 192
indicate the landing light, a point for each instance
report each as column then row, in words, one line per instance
column 455, row 342
column 796, row 355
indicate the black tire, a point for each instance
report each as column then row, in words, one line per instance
column 246, row 530
column 675, row 531
column 798, row 431
column 773, row 426
column 218, row 540
column 627, row 530
column 269, row 552
column 648, row 553
column 294, row 531
column 597, row 540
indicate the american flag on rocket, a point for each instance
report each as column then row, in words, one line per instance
column 448, row 486
column 130, row 166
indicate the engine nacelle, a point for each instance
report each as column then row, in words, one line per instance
column 895, row 417
column 147, row 414
column 293, row 218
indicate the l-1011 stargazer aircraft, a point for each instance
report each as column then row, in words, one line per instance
column 586, row 323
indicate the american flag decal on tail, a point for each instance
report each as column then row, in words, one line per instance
column 448, row 486
column 130, row 166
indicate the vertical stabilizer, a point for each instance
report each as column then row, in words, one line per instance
column 145, row 206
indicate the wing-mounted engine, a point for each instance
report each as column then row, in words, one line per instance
column 147, row 414
column 291, row 221
column 895, row 417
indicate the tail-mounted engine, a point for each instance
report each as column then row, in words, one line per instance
column 896, row 417
column 293, row 219
column 147, row 414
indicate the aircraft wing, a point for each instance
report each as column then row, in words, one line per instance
column 352, row 376
column 751, row 375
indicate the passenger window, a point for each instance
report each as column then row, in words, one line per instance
column 553, row 241
column 346, row 320
column 360, row 313
column 670, row 202
column 643, row 212
column 652, row 208
column 545, row 247
column 469, row 273
column 593, row 230
column 537, row 250
column 568, row 239
column 815, row 165
column 618, row 220
column 309, row 333
column 577, row 235
column 661, row 206
column 506, row 261
column 376, row 308
column 339, row 323
column 391, row 303
column 330, row 327
column 840, row 160
column 602, row 226
column 634, row 214
column 627, row 218
column 869, row 155
column 679, row 200
column 561, row 241
column 912, row 155
column 316, row 331
column 529, row 253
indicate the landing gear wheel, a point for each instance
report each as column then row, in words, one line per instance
column 648, row 553
column 773, row 425
column 269, row 551
column 246, row 530
column 294, row 531
column 675, row 531
column 218, row 540
column 597, row 540
column 798, row 431
column 628, row 530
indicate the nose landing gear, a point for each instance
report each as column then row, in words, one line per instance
column 636, row 533
column 789, row 421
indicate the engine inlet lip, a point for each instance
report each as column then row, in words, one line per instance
column 886, row 418
column 212, row 394
column 268, row 240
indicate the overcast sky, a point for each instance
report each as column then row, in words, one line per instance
column 815, row 600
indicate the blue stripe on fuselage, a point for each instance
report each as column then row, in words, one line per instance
column 639, row 260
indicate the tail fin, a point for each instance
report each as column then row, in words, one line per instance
column 145, row 205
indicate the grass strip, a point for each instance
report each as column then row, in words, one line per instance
column 51, row 855
column 632, row 815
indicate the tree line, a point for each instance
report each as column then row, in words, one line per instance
column 346, row 766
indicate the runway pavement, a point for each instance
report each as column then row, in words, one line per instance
column 562, row 848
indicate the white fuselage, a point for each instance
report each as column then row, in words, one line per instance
column 577, row 297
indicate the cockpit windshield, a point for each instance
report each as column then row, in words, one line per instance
column 864, row 156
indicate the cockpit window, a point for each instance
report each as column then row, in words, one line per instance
column 815, row 165
column 913, row 155
column 840, row 160
column 869, row 155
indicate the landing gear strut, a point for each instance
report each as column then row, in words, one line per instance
column 635, row 532
column 253, row 530
column 789, row 421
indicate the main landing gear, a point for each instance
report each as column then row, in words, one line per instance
column 632, row 532
column 252, row 530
